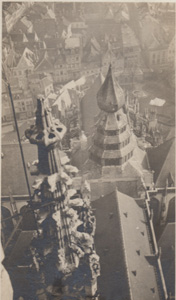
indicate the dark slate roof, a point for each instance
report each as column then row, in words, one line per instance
column 44, row 63
column 113, row 282
column 39, row 8
column 110, row 97
column 31, row 37
column 91, row 50
column 45, row 27
column 17, row 37
column 23, row 24
column 162, row 161
column 53, row 43
column 126, row 272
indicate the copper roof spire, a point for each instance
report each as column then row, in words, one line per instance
column 110, row 97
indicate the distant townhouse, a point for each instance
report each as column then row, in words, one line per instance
column 41, row 84
column 24, row 65
column 158, row 57
column 61, row 70
column 23, row 103
column 91, row 69
column 6, row 112
column 73, row 60
column 131, row 47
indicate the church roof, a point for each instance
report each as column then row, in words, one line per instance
column 128, row 264
column 162, row 161
column 110, row 97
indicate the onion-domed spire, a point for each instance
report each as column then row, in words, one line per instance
column 110, row 97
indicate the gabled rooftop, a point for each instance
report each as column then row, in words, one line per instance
column 44, row 63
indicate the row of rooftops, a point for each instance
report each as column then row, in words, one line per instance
column 91, row 51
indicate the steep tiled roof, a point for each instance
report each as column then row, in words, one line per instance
column 128, row 37
column 53, row 43
column 162, row 161
column 44, row 63
column 39, row 8
column 45, row 27
column 125, row 248
column 17, row 37
column 32, row 37
column 110, row 96
column 91, row 50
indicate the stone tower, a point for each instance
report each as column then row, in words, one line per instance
column 113, row 143
column 63, row 252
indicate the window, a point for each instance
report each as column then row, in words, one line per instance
column 112, row 162
column 112, row 147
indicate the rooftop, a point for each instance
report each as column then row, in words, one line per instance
column 110, row 97
column 161, row 160
column 129, row 274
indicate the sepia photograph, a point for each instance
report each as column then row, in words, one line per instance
column 87, row 150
